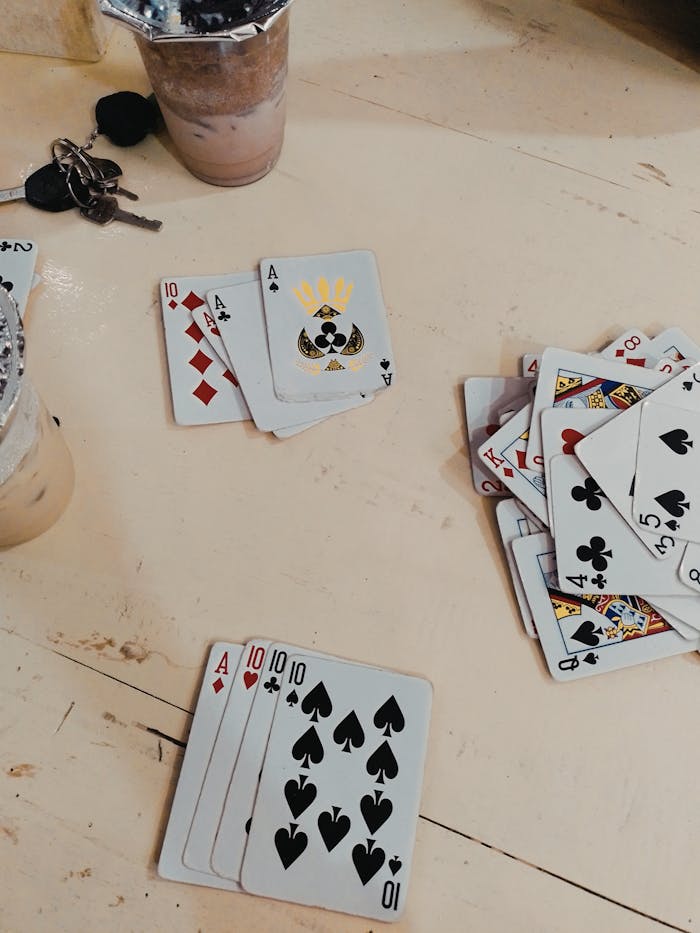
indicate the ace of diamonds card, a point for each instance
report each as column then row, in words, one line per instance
column 327, row 327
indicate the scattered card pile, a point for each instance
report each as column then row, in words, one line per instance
column 304, row 339
column 601, row 453
column 301, row 780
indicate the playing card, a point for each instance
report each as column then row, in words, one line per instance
column 485, row 398
column 676, row 344
column 589, row 634
column 690, row 568
column 17, row 261
column 327, row 326
column 562, row 429
column 596, row 548
column 530, row 365
column 670, row 367
column 687, row 621
column 239, row 316
column 504, row 455
column 667, row 483
column 204, row 320
column 514, row 523
column 610, row 456
column 227, row 854
column 575, row 380
column 224, row 752
column 221, row 666
column 631, row 347
column 335, row 819
column 204, row 390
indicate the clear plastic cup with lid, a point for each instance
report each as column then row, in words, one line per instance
column 36, row 468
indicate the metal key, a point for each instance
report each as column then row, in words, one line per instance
column 47, row 189
column 104, row 209
column 109, row 173
column 96, row 173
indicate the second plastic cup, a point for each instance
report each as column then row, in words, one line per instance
column 223, row 101
column 36, row 469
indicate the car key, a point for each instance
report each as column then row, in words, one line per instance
column 47, row 189
column 104, row 209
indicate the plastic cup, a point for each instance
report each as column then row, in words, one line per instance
column 223, row 100
column 36, row 469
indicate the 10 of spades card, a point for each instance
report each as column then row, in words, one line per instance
column 327, row 326
column 301, row 780
column 335, row 819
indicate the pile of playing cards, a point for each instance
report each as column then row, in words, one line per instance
column 301, row 780
column 602, row 454
column 304, row 339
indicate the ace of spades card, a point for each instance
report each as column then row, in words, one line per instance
column 335, row 818
column 327, row 327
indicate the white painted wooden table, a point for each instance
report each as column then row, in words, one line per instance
column 527, row 175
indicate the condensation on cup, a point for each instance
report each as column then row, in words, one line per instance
column 36, row 469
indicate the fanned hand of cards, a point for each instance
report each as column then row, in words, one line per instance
column 301, row 780
column 601, row 453
column 304, row 339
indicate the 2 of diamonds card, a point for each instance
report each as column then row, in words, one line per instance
column 327, row 326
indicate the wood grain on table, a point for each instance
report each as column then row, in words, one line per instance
column 527, row 176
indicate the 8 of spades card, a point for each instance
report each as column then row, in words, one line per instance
column 335, row 818
column 327, row 326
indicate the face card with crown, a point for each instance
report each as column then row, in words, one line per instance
column 327, row 327
column 204, row 389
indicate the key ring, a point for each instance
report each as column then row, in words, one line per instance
column 76, row 157
column 69, row 185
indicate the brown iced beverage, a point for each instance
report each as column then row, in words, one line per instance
column 36, row 469
column 223, row 100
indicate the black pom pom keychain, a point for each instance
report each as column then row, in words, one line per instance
column 125, row 118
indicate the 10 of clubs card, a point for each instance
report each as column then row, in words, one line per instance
column 327, row 326
column 335, row 818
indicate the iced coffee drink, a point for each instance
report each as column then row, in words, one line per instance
column 36, row 470
column 223, row 100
